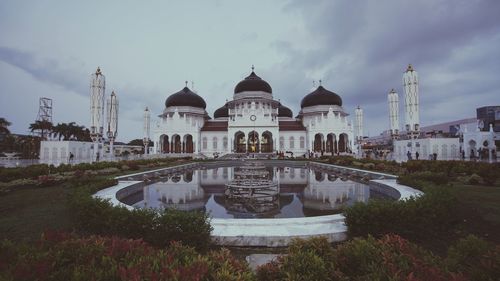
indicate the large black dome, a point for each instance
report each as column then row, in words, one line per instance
column 321, row 96
column 284, row 111
column 222, row 112
column 253, row 83
column 185, row 97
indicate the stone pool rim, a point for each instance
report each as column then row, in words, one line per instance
column 269, row 232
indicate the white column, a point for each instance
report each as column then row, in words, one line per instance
column 412, row 119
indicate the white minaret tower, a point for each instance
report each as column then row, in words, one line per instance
column 112, row 121
column 393, row 100
column 412, row 120
column 146, row 128
column 97, row 88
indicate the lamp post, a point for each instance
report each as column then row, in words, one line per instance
column 112, row 121
column 146, row 128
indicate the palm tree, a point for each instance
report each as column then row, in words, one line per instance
column 3, row 126
column 43, row 126
column 60, row 131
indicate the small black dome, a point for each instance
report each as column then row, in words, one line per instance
column 253, row 83
column 321, row 96
column 185, row 97
column 222, row 112
column 284, row 111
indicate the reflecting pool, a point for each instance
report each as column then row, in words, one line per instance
column 301, row 191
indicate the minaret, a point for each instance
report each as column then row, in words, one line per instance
column 147, row 117
column 358, row 125
column 97, row 88
column 112, row 118
column 410, row 84
column 393, row 100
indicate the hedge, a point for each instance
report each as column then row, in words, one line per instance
column 60, row 256
column 413, row 218
column 390, row 257
column 98, row 216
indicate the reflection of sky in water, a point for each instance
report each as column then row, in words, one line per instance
column 304, row 192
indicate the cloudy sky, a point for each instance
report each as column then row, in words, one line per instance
column 147, row 49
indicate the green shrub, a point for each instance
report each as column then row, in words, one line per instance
column 413, row 218
column 388, row 258
column 420, row 179
column 475, row 258
column 98, row 216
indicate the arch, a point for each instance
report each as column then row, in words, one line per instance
column 319, row 176
column 318, row 143
column 239, row 142
column 343, row 142
column 188, row 143
column 188, row 176
column 164, row 144
column 331, row 143
column 472, row 148
column 267, row 142
column 176, row 144
column 253, row 142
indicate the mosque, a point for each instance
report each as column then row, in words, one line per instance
column 253, row 122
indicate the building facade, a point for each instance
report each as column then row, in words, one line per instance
column 254, row 122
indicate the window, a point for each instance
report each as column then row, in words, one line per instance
column 302, row 142
column 224, row 143
column 282, row 143
column 292, row 142
column 204, row 143
column 214, row 143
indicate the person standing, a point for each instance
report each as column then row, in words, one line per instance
column 408, row 155
column 417, row 155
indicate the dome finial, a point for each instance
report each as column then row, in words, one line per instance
column 410, row 67
column 253, row 67
column 320, row 82
column 98, row 71
column 186, row 83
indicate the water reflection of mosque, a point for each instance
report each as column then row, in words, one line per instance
column 303, row 192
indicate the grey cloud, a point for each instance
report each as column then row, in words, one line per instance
column 362, row 49
column 46, row 70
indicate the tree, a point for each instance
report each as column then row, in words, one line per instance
column 140, row 142
column 45, row 127
column 3, row 126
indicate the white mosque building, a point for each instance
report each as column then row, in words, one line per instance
column 253, row 122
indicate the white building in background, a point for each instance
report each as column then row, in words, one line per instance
column 253, row 121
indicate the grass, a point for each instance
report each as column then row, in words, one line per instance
column 480, row 208
column 27, row 211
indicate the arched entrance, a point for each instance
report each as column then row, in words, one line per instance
column 331, row 143
column 253, row 142
column 239, row 142
column 267, row 142
column 472, row 149
column 164, row 144
column 176, row 144
column 188, row 144
column 318, row 143
column 343, row 143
